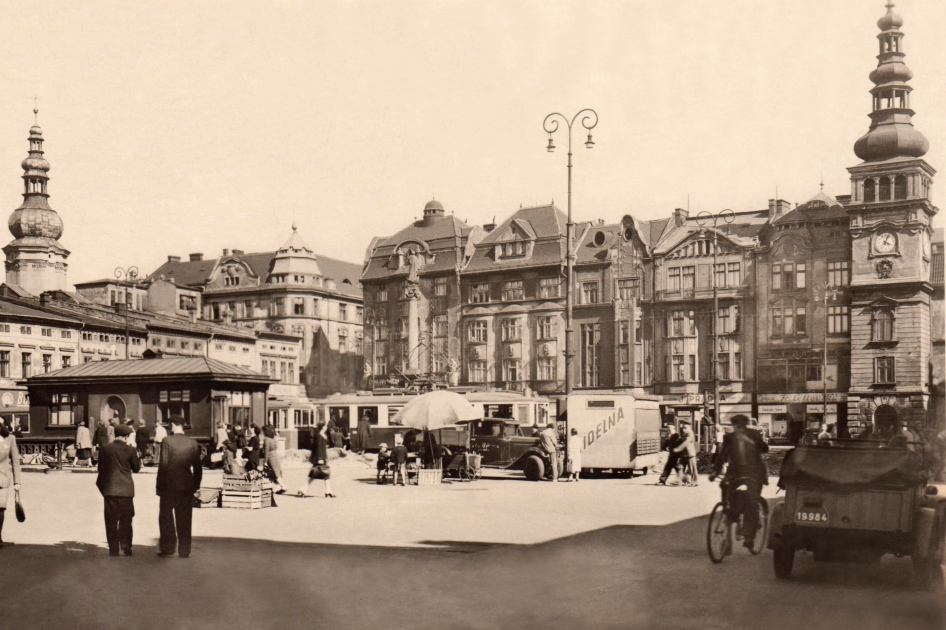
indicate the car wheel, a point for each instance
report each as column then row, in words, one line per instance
column 534, row 469
column 782, row 561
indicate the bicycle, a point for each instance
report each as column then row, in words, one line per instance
column 722, row 530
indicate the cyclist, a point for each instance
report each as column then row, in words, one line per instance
column 742, row 450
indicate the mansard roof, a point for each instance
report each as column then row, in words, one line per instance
column 196, row 274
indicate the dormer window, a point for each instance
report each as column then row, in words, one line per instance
column 512, row 249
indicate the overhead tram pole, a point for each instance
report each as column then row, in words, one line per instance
column 827, row 290
column 703, row 218
column 131, row 276
column 589, row 118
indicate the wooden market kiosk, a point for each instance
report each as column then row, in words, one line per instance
column 201, row 390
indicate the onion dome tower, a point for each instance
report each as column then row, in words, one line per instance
column 35, row 260
column 891, row 213
column 891, row 134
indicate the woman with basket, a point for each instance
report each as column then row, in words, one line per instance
column 320, row 468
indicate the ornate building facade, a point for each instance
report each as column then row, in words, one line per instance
column 290, row 292
column 412, row 298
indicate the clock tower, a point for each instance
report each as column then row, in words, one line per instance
column 890, row 224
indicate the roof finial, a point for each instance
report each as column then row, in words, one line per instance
column 294, row 226
column 36, row 109
column 822, row 182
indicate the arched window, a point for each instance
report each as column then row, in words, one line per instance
column 884, row 189
column 868, row 190
column 900, row 187
column 882, row 326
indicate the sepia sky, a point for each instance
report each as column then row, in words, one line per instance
column 193, row 126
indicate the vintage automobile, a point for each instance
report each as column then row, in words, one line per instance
column 503, row 443
column 855, row 501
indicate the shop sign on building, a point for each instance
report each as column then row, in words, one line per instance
column 773, row 408
column 820, row 409
column 835, row 397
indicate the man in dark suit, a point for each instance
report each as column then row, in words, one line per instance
column 117, row 461
column 179, row 475
column 742, row 450
column 143, row 439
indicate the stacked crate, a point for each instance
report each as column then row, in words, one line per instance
column 246, row 495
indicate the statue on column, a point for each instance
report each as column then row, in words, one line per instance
column 413, row 267
column 454, row 368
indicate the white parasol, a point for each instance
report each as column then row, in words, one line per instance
column 435, row 410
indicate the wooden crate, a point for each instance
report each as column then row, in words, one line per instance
column 247, row 500
column 429, row 477
column 240, row 484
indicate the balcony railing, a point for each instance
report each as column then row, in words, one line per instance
column 740, row 291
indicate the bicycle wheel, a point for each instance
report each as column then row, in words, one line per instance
column 718, row 539
column 762, row 533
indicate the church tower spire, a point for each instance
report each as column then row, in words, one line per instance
column 35, row 260
column 891, row 133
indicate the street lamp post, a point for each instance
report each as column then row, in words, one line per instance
column 131, row 276
column 827, row 290
column 703, row 218
column 589, row 118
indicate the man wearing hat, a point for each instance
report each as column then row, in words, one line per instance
column 742, row 450
column 179, row 476
column 117, row 461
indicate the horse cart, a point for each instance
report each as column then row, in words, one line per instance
column 856, row 502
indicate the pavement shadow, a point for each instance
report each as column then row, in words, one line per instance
column 653, row 577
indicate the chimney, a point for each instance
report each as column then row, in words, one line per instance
column 174, row 259
column 680, row 216
column 196, row 257
column 778, row 207
column 489, row 227
column 43, row 298
column 226, row 252
column 238, row 252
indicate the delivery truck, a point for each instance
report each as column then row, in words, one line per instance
column 619, row 431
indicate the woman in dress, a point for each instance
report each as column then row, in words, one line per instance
column 9, row 471
column 271, row 453
column 574, row 455
column 320, row 468
column 83, row 445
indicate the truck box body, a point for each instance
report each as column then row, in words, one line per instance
column 618, row 430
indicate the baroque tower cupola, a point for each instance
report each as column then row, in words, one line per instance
column 35, row 260
column 891, row 133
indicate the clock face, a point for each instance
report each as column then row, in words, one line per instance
column 885, row 242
